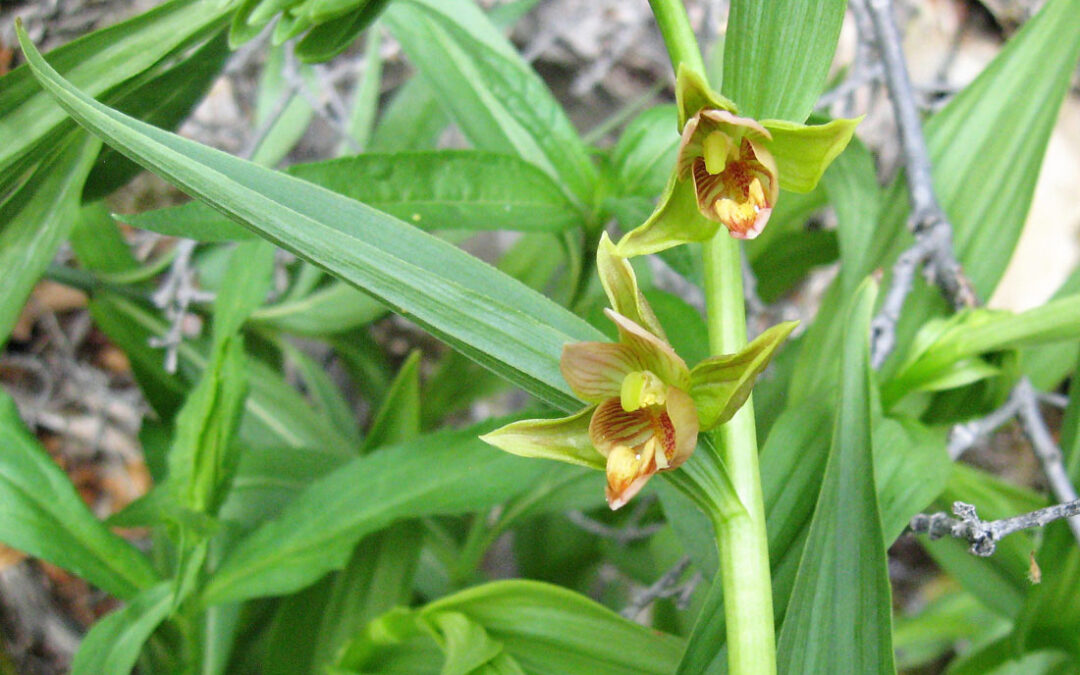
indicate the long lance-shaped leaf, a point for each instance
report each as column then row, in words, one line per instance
column 41, row 513
column 99, row 62
column 36, row 220
column 497, row 100
column 438, row 474
column 493, row 319
column 777, row 55
column 842, row 583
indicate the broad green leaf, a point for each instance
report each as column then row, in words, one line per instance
column 36, row 220
column 98, row 63
column 443, row 190
column 645, row 152
column 164, row 101
column 975, row 332
column 777, row 55
column 450, row 189
column 42, row 515
column 545, row 628
column 498, row 101
column 112, row 646
column 490, row 317
column 310, row 627
column 442, row 473
column 911, row 468
column 843, row 577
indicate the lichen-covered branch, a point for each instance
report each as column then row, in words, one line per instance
column 983, row 535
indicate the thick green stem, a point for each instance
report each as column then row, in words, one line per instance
column 741, row 538
column 744, row 548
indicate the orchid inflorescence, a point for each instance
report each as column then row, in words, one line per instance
column 646, row 407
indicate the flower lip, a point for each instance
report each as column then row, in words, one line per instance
column 734, row 174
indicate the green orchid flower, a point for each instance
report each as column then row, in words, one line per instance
column 730, row 169
column 646, row 407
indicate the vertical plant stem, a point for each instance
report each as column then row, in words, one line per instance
column 742, row 542
column 741, row 538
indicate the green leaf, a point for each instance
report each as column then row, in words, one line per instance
column 332, row 37
column 284, row 131
column 498, row 101
column 1046, row 366
column 98, row 63
column 36, row 220
column 333, row 308
column 193, row 220
column 203, row 458
column 450, row 189
column 777, row 55
column 365, row 103
column 398, row 420
column 310, row 627
column 934, row 356
column 803, row 153
column 853, row 190
column 112, row 646
column 164, row 101
column 412, row 120
column 843, row 577
column 911, row 468
column 545, row 628
column 318, row 529
column 721, row 384
column 44, row 516
column 645, row 152
column 496, row 321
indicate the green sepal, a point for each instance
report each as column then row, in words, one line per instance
column 565, row 439
column 802, row 152
column 675, row 221
column 721, row 384
column 692, row 93
column 619, row 282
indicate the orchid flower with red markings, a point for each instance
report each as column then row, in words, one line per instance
column 730, row 169
column 645, row 406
